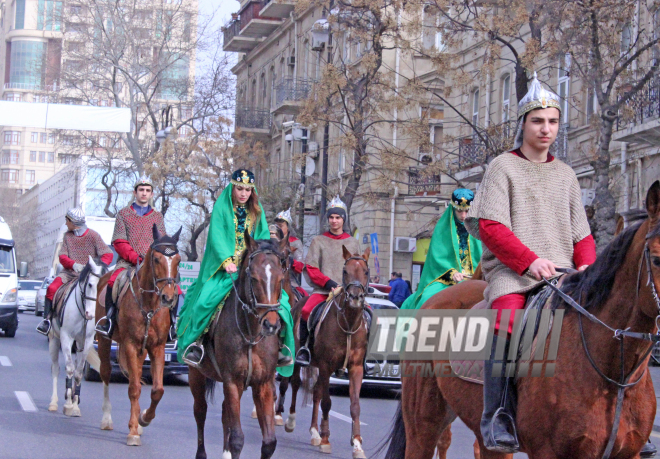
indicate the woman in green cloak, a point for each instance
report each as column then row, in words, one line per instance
column 236, row 210
column 453, row 254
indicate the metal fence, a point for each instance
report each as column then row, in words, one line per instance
column 642, row 107
column 232, row 29
column 252, row 118
column 420, row 182
column 292, row 89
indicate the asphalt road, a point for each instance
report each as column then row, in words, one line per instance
column 29, row 431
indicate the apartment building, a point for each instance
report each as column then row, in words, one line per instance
column 43, row 41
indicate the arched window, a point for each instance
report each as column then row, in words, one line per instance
column 253, row 94
column 506, row 97
column 475, row 107
column 264, row 93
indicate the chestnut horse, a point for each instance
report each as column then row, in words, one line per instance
column 572, row 414
column 242, row 348
column 143, row 323
column 343, row 328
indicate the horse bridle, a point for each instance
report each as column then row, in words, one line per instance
column 364, row 288
column 624, row 382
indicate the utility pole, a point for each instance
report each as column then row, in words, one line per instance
column 303, row 180
column 326, row 143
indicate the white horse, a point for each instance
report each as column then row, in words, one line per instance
column 77, row 329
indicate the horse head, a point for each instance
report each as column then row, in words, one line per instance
column 163, row 259
column 262, row 276
column 88, row 281
column 355, row 278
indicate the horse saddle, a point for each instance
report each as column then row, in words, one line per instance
column 119, row 288
column 537, row 300
column 61, row 297
column 319, row 313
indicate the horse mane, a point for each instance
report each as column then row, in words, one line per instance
column 83, row 274
column 593, row 286
column 262, row 244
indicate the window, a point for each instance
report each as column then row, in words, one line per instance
column 49, row 15
column 626, row 38
column 30, row 177
column 51, row 139
column 102, row 141
column 563, row 87
column 187, row 20
column 13, row 97
column 475, row 107
column 75, row 28
column 9, row 176
column 67, row 140
column 51, row 157
column 19, row 23
column 43, row 137
column 506, row 97
column 66, row 159
column 12, row 138
column 33, row 156
column 27, row 64
column 42, row 156
column 34, row 137
column 75, row 9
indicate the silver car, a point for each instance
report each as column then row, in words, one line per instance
column 27, row 294
column 41, row 296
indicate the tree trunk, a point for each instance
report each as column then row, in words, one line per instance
column 604, row 203
column 191, row 252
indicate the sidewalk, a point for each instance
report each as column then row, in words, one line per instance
column 655, row 375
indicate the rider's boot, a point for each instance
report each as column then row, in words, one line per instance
column 649, row 450
column 194, row 354
column 498, row 428
column 106, row 327
column 283, row 360
column 44, row 325
column 173, row 314
column 303, row 356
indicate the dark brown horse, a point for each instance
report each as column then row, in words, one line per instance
column 143, row 323
column 242, row 348
column 570, row 415
column 342, row 329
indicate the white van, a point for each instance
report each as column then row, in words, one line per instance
column 8, row 281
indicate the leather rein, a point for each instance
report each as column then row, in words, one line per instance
column 624, row 381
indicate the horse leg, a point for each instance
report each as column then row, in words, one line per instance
column 263, row 400
column 134, row 363
column 197, row 383
column 105, row 372
column 279, row 405
column 326, row 404
column 77, row 379
column 231, row 421
column 444, row 442
column 295, row 385
column 66, row 342
column 314, row 428
column 354, row 386
column 157, row 356
column 54, row 349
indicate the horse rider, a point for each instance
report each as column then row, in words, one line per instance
column 528, row 213
column 236, row 210
column 132, row 237
column 324, row 266
column 78, row 244
column 453, row 253
column 284, row 222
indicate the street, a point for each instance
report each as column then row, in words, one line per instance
column 25, row 434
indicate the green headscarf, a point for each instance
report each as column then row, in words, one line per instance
column 443, row 256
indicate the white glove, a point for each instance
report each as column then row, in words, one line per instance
column 77, row 267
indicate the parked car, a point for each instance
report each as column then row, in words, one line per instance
column 377, row 299
column 41, row 296
column 27, row 294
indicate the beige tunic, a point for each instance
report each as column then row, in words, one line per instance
column 327, row 255
column 541, row 203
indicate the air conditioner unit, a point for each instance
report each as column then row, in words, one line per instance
column 291, row 60
column 405, row 244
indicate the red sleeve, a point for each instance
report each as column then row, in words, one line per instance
column 584, row 252
column 317, row 276
column 298, row 266
column 106, row 258
column 66, row 262
column 125, row 250
column 506, row 246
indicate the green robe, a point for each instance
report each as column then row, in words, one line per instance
column 208, row 293
column 443, row 259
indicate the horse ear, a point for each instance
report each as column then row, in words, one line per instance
column 366, row 254
column 653, row 200
column 156, row 233
column 177, row 234
column 91, row 261
column 250, row 243
column 346, row 253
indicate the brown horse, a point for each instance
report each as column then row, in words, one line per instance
column 242, row 348
column 143, row 323
column 570, row 415
column 342, row 329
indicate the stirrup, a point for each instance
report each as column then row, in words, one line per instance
column 193, row 363
column 492, row 445
column 171, row 334
column 48, row 325
column 102, row 331
column 303, row 356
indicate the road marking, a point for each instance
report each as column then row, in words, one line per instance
column 26, row 401
column 4, row 361
column 344, row 418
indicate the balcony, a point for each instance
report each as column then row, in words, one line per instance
column 290, row 95
column 253, row 120
column 234, row 41
column 31, row 86
column 423, row 184
column 639, row 120
column 277, row 8
column 253, row 24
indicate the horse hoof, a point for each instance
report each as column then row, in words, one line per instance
column 141, row 420
column 254, row 413
column 359, row 454
column 316, row 438
column 75, row 412
column 133, row 440
column 290, row 423
column 278, row 420
column 140, row 430
column 327, row 449
column 107, row 425
column 67, row 410
column 52, row 407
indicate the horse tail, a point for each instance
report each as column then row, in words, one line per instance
column 94, row 360
column 310, row 375
column 396, row 438
column 210, row 390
